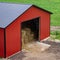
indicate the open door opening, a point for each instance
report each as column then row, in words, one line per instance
column 30, row 31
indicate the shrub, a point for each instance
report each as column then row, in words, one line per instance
column 55, row 34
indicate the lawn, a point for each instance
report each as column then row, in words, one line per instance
column 55, row 34
column 51, row 5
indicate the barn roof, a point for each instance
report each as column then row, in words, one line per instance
column 9, row 12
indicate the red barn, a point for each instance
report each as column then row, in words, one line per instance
column 12, row 18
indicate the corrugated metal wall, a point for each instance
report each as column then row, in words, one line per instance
column 1, row 42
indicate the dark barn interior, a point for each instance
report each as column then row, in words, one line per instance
column 30, row 30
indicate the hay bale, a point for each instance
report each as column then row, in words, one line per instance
column 31, row 37
column 26, row 39
column 28, row 30
column 23, row 38
column 27, row 36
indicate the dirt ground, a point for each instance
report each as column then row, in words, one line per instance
column 55, row 28
column 52, row 53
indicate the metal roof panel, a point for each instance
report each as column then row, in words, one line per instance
column 9, row 12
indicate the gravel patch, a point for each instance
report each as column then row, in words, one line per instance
column 55, row 28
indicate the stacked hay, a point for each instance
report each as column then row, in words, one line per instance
column 27, row 36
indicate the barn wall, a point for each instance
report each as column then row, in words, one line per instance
column 13, row 31
column 13, row 43
column 1, row 42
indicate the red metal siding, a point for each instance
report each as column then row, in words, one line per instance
column 45, row 27
column 13, row 43
column 1, row 42
column 13, row 31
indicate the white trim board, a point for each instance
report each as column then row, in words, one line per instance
column 45, row 39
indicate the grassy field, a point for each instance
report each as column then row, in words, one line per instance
column 55, row 34
column 51, row 5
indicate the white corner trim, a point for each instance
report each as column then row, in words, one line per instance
column 14, row 54
column 45, row 39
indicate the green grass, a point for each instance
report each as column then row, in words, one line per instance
column 55, row 34
column 51, row 5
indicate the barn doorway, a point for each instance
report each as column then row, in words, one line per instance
column 30, row 31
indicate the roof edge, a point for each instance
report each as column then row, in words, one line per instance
column 42, row 9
